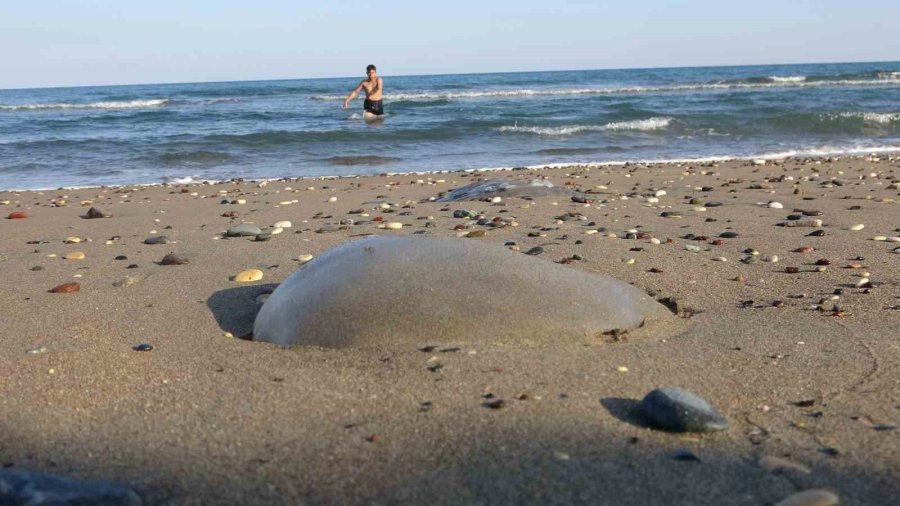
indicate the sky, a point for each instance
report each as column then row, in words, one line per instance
column 49, row 43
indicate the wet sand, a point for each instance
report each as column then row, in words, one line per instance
column 207, row 418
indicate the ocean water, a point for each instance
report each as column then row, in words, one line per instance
column 154, row 133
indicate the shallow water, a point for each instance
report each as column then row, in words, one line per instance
column 147, row 133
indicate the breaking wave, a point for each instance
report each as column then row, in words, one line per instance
column 639, row 124
column 127, row 104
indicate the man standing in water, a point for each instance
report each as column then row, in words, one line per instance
column 372, row 107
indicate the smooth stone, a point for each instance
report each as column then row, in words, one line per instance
column 158, row 239
column 776, row 205
column 679, row 410
column 94, row 213
column 75, row 255
column 27, row 488
column 393, row 225
column 276, row 231
column 172, row 259
column 242, row 230
column 262, row 237
column 407, row 288
column 304, row 258
column 282, row 224
column 858, row 226
column 72, row 240
column 815, row 497
column 729, row 234
column 249, row 275
column 814, row 223
column 773, row 464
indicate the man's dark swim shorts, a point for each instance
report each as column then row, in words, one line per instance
column 375, row 107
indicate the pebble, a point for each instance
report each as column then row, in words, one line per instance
column 654, row 240
column 862, row 282
column 893, row 239
column 143, row 347
column 75, row 255
column 332, row 199
column 72, row 240
column 720, row 259
column 242, row 230
column 304, row 258
column 17, row 215
column 729, row 234
column 249, row 275
column 770, row 258
column 776, row 205
column 393, row 225
column 157, row 239
column 693, row 248
column 66, row 288
column 815, row 497
column 679, row 410
column 813, row 223
column 172, row 259
column 282, row 224
column 537, row 250
column 774, row 464
column 262, row 237
column 96, row 213
column 858, row 226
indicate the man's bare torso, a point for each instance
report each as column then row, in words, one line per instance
column 372, row 88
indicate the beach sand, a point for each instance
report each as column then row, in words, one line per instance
column 206, row 418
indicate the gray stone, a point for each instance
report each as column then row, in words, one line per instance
column 158, row 239
column 242, row 230
column 27, row 489
column 406, row 289
column 679, row 410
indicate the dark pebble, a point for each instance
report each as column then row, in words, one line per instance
column 143, row 347
column 729, row 234
column 158, row 239
column 537, row 250
column 172, row 259
column 679, row 410
column 121, row 257
column 816, row 233
column 37, row 268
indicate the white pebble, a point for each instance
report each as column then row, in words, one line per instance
column 720, row 259
column 660, row 193
column 770, row 258
column 776, row 205
column 276, row 231
column 332, row 199
column 858, row 226
column 861, row 282
column 496, row 200
column 654, row 240
column 393, row 225
column 282, row 224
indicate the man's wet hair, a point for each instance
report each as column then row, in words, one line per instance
column 369, row 68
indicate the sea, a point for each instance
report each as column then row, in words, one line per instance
column 157, row 133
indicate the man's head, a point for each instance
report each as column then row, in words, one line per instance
column 370, row 70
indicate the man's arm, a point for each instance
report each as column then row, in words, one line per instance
column 353, row 94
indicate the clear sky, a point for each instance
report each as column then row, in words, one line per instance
column 88, row 42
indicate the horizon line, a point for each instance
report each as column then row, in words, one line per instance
column 442, row 74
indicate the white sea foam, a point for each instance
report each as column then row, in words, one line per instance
column 640, row 124
column 787, row 79
column 892, row 79
column 127, row 104
column 881, row 118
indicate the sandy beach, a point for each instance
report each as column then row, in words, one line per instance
column 792, row 337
